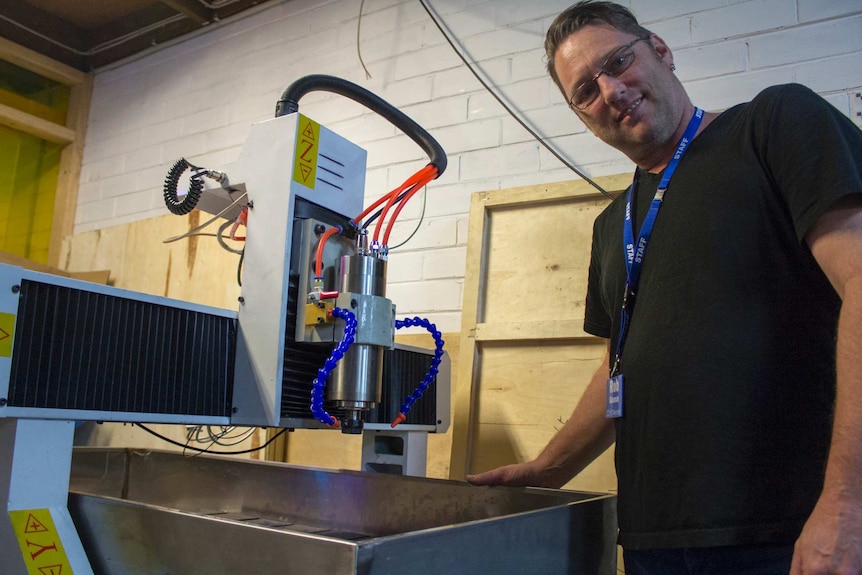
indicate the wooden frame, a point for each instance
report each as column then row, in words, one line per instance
column 503, row 314
column 71, row 134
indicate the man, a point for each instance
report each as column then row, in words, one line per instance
column 736, row 451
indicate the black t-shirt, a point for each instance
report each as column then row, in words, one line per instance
column 729, row 358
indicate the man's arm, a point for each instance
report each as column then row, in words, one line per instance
column 585, row 436
column 831, row 541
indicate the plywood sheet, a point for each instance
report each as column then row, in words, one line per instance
column 536, row 269
column 525, row 359
column 527, row 392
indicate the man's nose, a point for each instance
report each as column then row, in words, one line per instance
column 611, row 88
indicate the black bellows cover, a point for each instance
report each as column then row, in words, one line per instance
column 81, row 350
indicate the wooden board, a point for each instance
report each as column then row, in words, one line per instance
column 525, row 359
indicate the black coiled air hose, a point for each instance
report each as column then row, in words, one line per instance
column 289, row 103
column 196, row 186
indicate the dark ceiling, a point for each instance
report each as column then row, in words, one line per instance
column 89, row 34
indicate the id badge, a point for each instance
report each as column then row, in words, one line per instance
column 614, row 397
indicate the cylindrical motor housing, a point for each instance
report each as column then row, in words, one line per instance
column 355, row 385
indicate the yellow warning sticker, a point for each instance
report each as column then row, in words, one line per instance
column 40, row 543
column 7, row 331
column 305, row 158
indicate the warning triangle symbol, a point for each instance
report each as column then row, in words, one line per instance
column 34, row 525
column 3, row 334
column 306, row 170
column 51, row 570
column 308, row 132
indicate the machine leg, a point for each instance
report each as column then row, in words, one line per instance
column 37, row 534
column 395, row 452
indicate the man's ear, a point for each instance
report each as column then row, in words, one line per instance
column 661, row 48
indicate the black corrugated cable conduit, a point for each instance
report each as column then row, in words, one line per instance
column 196, row 186
column 289, row 103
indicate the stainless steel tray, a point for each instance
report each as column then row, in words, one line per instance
column 148, row 512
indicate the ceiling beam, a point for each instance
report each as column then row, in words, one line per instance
column 29, row 26
column 192, row 9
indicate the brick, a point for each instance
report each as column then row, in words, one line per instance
column 547, row 123
column 205, row 120
column 483, row 105
column 720, row 59
column 528, row 65
column 182, row 148
column 392, row 150
column 89, row 212
column 95, row 171
column 457, row 81
column 89, row 192
column 150, row 179
column 425, row 296
column 404, row 266
column 470, row 136
column 717, row 94
column 452, row 200
column 444, row 263
column 805, row 43
column 580, row 149
column 509, row 13
column 143, row 158
column 134, row 203
column 504, row 41
column 433, row 233
column 462, row 226
column 438, row 112
column 742, row 19
column 425, row 61
column 831, row 74
column 811, row 10
column 506, row 160
column 650, row 11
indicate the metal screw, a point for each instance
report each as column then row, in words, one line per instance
column 240, row 299
column 250, row 205
column 234, row 410
column 16, row 288
column 3, row 402
column 319, row 229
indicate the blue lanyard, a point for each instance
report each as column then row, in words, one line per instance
column 634, row 253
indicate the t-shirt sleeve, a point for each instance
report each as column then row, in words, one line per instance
column 811, row 150
column 597, row 320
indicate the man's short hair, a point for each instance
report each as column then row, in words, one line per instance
column 583, row 14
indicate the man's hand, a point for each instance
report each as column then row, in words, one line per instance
column 514, row 475
column 831, row 541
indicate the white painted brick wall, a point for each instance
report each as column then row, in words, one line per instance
column 198, row 98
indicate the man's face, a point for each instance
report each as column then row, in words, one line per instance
column 635, row 112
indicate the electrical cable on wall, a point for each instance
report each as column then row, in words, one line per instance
column 470, row 66
column 358, row 48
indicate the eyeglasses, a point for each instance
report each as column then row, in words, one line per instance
column 614, row 65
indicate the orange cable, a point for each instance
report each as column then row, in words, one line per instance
column 358, row 219
column 417, row 177
column 418, row 186
column 318, row 262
